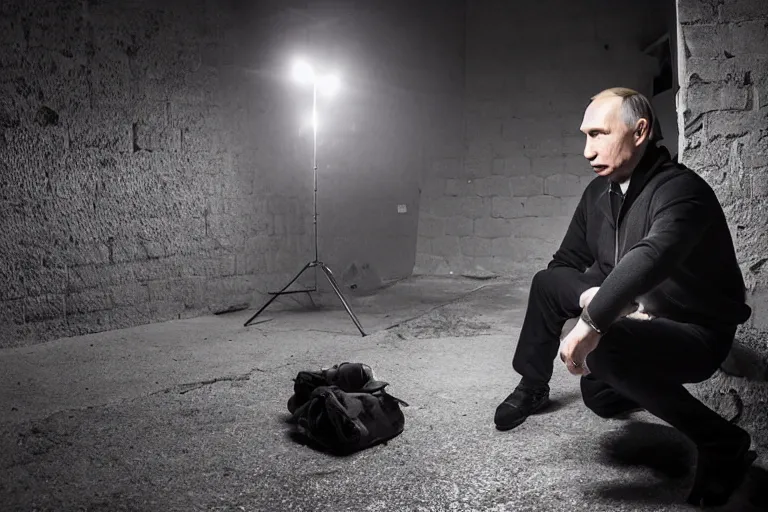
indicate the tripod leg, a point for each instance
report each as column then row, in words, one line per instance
column 335, row 286
column 274, row 296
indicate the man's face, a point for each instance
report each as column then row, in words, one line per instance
column 611, row 146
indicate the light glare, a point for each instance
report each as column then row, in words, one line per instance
column 329, row 84
column 303, row 72
column 311, row 121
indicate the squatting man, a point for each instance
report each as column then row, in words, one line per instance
column 648, row 266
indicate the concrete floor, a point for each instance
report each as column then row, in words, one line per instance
column 189, row 415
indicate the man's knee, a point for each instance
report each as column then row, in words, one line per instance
column 540, row 278
column 602, row 399
column 555, row 280
column 546, row 280
column 590, row 391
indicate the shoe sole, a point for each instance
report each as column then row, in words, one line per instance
column 510, row 426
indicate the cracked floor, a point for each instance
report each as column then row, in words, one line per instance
column 189, row 415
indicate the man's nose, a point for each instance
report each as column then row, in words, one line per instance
column 589, row 153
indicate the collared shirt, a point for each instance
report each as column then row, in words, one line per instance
column 624, row 186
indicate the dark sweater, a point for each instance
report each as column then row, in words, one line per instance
column 673, row 251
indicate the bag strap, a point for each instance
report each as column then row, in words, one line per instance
column 398, row 400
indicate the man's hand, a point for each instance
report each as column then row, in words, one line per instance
column 633, row 311
column 587, row 296
column 576, row 345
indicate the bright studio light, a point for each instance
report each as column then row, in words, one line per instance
column 326, row 85
column 303, row 72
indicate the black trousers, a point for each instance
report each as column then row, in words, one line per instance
column 644, row 362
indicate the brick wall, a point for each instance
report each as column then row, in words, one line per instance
column 153, row 164
column 504, row 204
column 724, row 136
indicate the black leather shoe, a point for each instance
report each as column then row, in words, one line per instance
column 520, row 404
column 720, row 470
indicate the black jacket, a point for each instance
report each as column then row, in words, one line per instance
column 672, row 251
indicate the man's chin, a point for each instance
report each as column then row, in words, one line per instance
column 602, row 171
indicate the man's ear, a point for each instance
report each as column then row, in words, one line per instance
column 642, row 131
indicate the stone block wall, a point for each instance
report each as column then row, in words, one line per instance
column 504, row 204
column 723, row 120
column 154, row 164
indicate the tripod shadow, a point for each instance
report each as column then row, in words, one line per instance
column 671, row 457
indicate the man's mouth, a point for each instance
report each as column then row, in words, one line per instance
column 598, row 168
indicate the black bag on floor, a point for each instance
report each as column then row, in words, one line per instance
column 349, row 377
column 344, row 422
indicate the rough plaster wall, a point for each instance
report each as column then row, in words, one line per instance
column 153, row 164
column 531, row 69
column 724, row 136
column 127, row 180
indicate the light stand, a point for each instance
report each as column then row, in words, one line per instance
column 316, row 262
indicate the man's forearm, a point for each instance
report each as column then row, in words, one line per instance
column 678, row 224
column 634, row 311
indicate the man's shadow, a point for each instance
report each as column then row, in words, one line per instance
column 671, row 457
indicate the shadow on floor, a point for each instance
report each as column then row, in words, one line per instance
column 302, row 440
column 660, row 448
column 672, row 458
column 561, row 401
